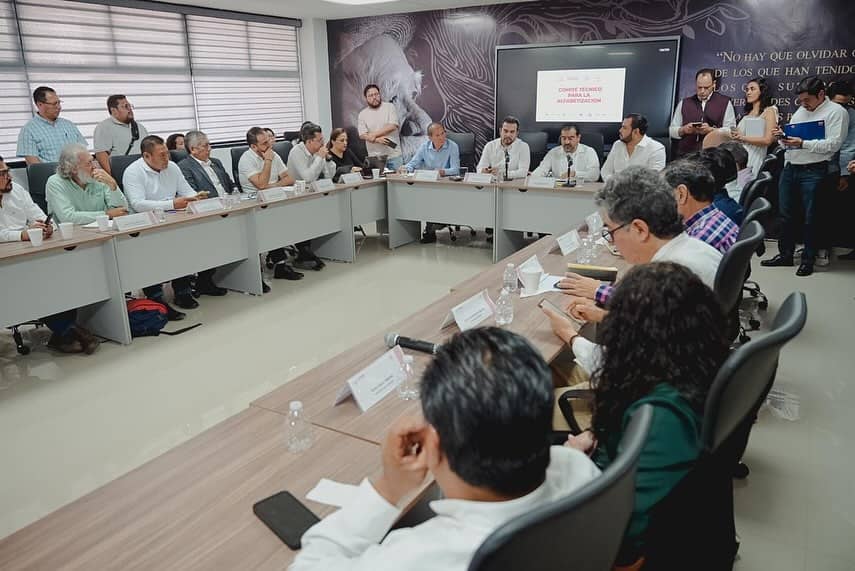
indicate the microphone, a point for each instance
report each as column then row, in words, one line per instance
column 569, row 165
column 393, row 339
column 507, row 161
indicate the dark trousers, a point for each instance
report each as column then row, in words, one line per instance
column 799, row 186
column 181, row 286
column 61, row 323
column 205, row 277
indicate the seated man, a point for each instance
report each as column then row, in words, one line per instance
column 19, row 216
column 507, row 153
column 79, row 192
column 154, row 182
column 694, row 188
column 439, row 154
column 260, row 168
column 584, row 163
column 723, row 168
column 634, row 148
column 488, row 450
column 118, row 134
column 42, row 138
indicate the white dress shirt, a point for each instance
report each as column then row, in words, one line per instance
column 818, row 150
column 250, row 164
column 212, row 174
column 586, row 164
column 147, row 189
column 354, row 538
column 648, row 153
column 17, row 212
column 677, row 120
column 493, row 156
column 303, row 165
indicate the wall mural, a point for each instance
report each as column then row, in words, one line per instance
column 439, row 65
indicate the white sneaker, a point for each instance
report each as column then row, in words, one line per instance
column 821, row 258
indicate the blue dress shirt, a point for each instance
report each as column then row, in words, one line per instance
column 447, row 158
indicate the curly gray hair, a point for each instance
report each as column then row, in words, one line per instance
column 66, row 167
column 641, row 193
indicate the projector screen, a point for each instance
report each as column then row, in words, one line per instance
column 580, row 95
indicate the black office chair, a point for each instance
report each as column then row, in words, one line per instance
column 237, row 153
column 760, row 210
column 757, row 187
column 537, row 141
column 666, row 142
column 731, row 274
column 118, row 164
column 283, row 149
column 768, row 163
column 595, row 141
column 37, row 175
column 466, row 145
column 355, row 144
column 693, row 527
column 178, row 155
column 291, row 136
column 582, row 531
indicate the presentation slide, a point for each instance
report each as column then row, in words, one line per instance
column 580, row 95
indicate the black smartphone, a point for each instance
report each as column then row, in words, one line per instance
column 286, row 516
column 697, row 124
column 392, row 144
column 49, row 219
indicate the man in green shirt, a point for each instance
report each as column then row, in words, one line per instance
column 79, row 191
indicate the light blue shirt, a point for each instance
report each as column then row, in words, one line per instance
column 847, row 149
column 447, row 158
column 43, row 139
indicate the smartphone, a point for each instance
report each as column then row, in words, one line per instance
column 49, row 219
column 286, row 516
column 545, row 303
column 392, row 144
column 697, row 124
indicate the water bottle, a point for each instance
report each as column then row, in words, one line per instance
column 504, row 308
column 408, row 389
column 509, row 279
column 299, row 435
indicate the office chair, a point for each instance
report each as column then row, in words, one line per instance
column 118, row 164
column 759, row 210
column 595, row 140
column 757, row 187
column 37, row 175
column 283, row 149
column 582, row 531
column 22, row 348
column 537, row 141
column 466, row 145
column 178, row 155
column 237, row 153
column 732, row 271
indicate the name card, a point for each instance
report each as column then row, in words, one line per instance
column 423, row 175
column 207, row 205
column 471, row 312
column 351, row 178
column 274, row 194
column 134, row 221
column 541, row 182
column 567, row 243
column 532, row 263
column 323, row 185
column 481, row 178
column 594, row 222
column 369, row 386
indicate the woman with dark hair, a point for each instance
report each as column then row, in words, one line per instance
column 345, row 160
column 663, row 341
column 175, row 142
column 758, row 106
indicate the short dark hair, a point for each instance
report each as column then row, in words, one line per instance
column 252, row 135
column 720, row 163
column 270, row 132
column 40, row 92
column 113, row 101
column 765, row 94
column 811, row 84
column 2, row 159
column 488, row 394
column 148, row 143
column 568, row 127
column 706, row 71
column 839, row 88
column 171, row 140
column 641, row 193
column 335, row 134
column 738, row 152
column 697, row 178
column 511, row 119
column 309, row 130
column 370, row 86
column 639, row 122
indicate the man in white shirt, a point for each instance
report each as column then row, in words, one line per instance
column 507, row 157
column 118, row 134
column 154, row 182
column 700, row 114
column 806, row 166
column 379, row 127
column 634, row 148
column 19, row 218
column 487, row 390
column 583, row 164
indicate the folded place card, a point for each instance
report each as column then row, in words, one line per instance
column 541, row 182
column 483, row 178
column 567, row 243
column 207, row 205
column 274, row 194
column 332, row 493
column 134, row 221
column 471, row 312
column 532, row 263
column 424, row 175
column 323, row 185
column 548, row 282
column 351, row 178
column 371, row 384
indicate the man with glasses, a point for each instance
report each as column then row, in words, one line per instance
column 42, row 138
column 79, row 192
column 698, row 115
column 118, row 134
column 583, row 164
column 378, row 126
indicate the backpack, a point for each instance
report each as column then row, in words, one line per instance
column 147, row 318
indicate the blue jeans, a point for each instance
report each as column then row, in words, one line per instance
column 394, row 163
column 799, row 184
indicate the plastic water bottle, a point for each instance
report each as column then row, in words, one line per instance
column 504, row 308
column 509, row 279
column 299, row 435
column 408, row 389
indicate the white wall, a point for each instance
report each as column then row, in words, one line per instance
column 315, row 67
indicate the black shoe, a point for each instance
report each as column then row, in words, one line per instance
column 428, row 238
column 740, row 471
column 173, row 314
column 186, row 301
column 309, row 263
column 805, row 269
column 209, row 289
column 285, row 272
column 778, row 260
column 264, row 287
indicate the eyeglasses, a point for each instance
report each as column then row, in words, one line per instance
column 52, row 104
column 127, row 106
column 609, row 235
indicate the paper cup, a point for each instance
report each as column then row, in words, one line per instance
column 36, row 236
column 66, row 230
column 375, row 173
column 103, row 222
column 530, row 280
column 300, row 186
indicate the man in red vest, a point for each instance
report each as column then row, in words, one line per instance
column 697, row 116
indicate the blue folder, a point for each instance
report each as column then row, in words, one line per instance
column 808, row 131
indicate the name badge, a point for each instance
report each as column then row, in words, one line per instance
column 351, row 178
column 567, row 243
column 471, row 312
column 207, row 205
column 541, row 182
column 424, row 175
column 532, row 264
column 371, row 384
column 134, row 221
column 323, row 185
column 274, row 194
column 480, row 178
column 594, row 222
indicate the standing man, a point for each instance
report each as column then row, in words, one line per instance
column 118, row 134
column 806, row 165
column 507, row 153
column 42, row 138
column 634, row 148
column 79, row 192
column 378, row 127
column 700, row 114
column 841, row 92
column 585, row 163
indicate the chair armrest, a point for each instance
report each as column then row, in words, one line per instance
column 565, row 404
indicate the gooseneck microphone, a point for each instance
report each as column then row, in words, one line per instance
column 569, row 166
column 393, row 339
column 507, row 162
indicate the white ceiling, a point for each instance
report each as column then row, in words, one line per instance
column 331, row 11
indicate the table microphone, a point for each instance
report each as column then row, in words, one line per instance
column 393, row 339
column 569, row 166
column 507, row 162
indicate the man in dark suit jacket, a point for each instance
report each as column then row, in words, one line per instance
column 202, row 171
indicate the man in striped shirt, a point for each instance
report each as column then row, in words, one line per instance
column 44, row 136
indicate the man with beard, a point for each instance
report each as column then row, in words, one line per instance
column 79, row 192
column 118, row 134
column 585, row 164
column 634, row 148
column 506, row 152
column 378, row 126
